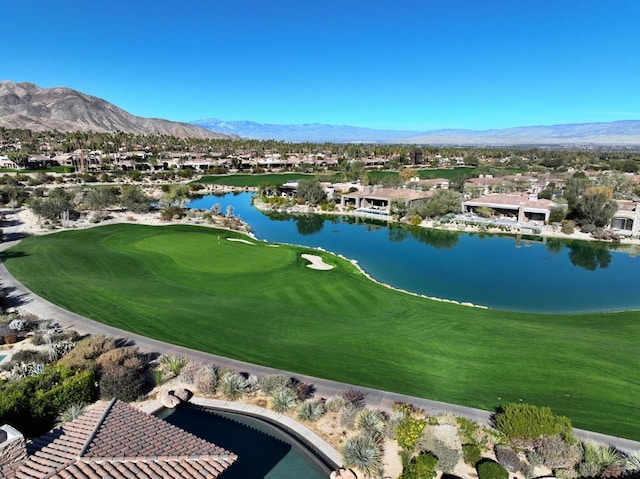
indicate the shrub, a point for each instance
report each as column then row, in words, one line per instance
column 600, row 460
column 507, row 458
column 18, row 325
column 121, row 382
column 30, row 356
column 173, row 364
column 348, row 416
column 284, row 400
column 557, row 453
column 409, row 432
column 127, row 357
column 523, row 423
column 471, row 454
column 72, row 412
column 422, row 466
column 233, row 386
column 371, row 423
column 10, row 339
column 355, row 397
column 568, row 227
column 491, row 470
column 274, row 382
column 362, row 453
column 253, row 383
column 206, row 379
column 335, row 404
column 447, row 456
column 188, row 372
column 303, row 390
column 311, row 410
column 88, row 349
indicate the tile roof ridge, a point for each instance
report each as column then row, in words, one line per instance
column 183, row 457
column 92, row 436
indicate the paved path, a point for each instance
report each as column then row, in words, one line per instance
column 26, row 300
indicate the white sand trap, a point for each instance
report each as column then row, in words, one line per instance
column 316, row 262
column 238, row 240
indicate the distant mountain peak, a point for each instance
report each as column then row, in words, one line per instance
column 26, row 105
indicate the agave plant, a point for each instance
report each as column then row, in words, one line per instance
column 599, row 460
column 371, row 423
column 311, row 410
column 72, row 412
column 274, row 382
column 363, row 453
column 284, row 400
column 632, row 462
column 174, row 364
column 335, row 403
column 233, row 386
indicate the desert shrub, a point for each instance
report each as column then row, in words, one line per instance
column 157, row 376
column 524, row 423
column 72, row 412
column 253, row 383
column 566, row 473
column 348, row 416
column 598, row 460
column 233, row 386
column 30, row 356
column 491, row 470
column 556, row 453
column 447, row 456
column 311, row 410
column 423, row 466
column 467, row 430
column 188, row 372
column 173, row 364
column 171, row 212
column 303, row 390
column 88, row 349
column 471, row 454
column 568, row 227
column 205, row 379
column 409, row 432
column 128, row 357
column 274, row 382
column 355, row 397
column 372, row 423
column 284, row 400
column 18, row 324
column 59, row 348
column 363, row 453
column 335, row 403
column 121, row 382
column 10, row 339
column 507, row 458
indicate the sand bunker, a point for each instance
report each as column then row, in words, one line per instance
column 316, row 262
column 238, row 240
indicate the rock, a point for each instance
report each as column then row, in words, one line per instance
column 167, row 399
column 183, row 394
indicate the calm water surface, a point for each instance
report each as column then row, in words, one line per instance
column 498, row 272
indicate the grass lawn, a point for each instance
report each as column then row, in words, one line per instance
column 188, row 285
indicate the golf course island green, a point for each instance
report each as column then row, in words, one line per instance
column 191, row 286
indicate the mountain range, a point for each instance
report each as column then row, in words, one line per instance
column 617, row 133
column 27, row 106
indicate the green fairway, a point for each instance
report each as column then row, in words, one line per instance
column 190, row 286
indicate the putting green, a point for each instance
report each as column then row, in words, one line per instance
column 190, row 286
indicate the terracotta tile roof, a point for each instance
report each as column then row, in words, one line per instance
column 114, row 440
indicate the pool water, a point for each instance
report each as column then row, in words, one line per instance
column 263, row 450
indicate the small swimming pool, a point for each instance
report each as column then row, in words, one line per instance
column 264, row 450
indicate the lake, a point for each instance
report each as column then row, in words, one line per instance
column 501, row 272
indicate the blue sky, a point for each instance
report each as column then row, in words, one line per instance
column 400, row 64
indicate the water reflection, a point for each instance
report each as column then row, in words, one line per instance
column 589, row 255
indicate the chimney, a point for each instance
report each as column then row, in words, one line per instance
column 13, row 447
